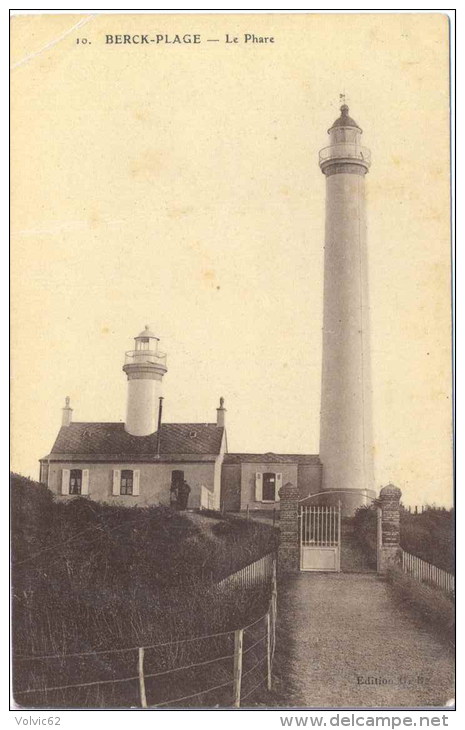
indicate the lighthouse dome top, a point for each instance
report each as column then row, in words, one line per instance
column 147, row 332
column 344, row 120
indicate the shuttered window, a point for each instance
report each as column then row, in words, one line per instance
column 269, row 486
column 126, row 481
column 75, row 481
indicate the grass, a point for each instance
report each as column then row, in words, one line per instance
column 424, row 602
column 179, row 616
column 95, row 577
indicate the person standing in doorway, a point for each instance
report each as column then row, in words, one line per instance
column 174, row 495
column 183, row 495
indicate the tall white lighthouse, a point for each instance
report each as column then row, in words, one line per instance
column 145, row 367
column 346, row 435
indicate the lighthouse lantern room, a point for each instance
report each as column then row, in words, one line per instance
column 145, row 367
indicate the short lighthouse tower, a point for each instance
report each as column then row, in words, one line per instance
column 346, row 438
column 145, row 367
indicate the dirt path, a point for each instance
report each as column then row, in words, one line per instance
column 343, row 642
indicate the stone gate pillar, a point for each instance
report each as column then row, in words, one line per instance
column 389, row 551
column 288, row 551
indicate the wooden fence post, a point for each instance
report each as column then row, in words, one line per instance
column 143, row 697
column 238, row 643
column 379, row 538
column 268, row 650
column 274, row 603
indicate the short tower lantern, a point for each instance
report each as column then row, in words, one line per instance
column 145, row 367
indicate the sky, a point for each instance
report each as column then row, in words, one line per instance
column 177, row 185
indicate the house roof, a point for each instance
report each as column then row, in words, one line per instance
column 95, row 440
column 272, row 458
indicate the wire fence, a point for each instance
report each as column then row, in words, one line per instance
column 219, row 669
column 428, row 573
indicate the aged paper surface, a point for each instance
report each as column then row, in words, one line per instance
column 201, row 160
column 175, row 180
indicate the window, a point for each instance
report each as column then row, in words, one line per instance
column 126, row 481
column 269, row 487
column 75, row 481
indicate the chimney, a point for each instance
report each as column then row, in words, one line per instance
column 67, row 413
column 220, row 414
column 160, row 411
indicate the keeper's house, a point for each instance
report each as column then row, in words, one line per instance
column 138, row 461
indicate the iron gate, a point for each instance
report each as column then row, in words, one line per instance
column 320, row 538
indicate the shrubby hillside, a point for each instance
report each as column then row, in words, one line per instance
column 90, row 576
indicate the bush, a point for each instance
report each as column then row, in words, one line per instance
column 430, row 536
column 365, row 527
column 243, row 542
column 30, row 509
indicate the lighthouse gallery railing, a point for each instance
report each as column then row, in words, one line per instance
column 141, row 356
column 345, row 151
